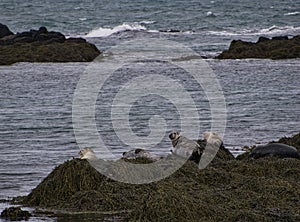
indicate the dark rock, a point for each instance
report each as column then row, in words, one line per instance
column 296, row 38
column 189, row 194
column 37, row 35
column 280, row 47
column 45, row 46
column 262, row 39
column 42, row 30
column 280, row 38
column 171, row 31
column 4, row 31
column 15, row 213
column 291, row 141
column 78, row 40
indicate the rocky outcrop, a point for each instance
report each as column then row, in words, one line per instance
column 4, row 31
column 280, row 47
column 44, row 46
column 15, row 213
column 291, row 141
column 189, row 194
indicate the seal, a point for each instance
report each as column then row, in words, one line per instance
column 213, row 139
column 186, row 148
column 87, row 153
column 274, row 150
column 140, row 153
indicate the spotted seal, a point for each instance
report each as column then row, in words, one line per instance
column 87, row 153
column 213, row 138
column 274, row 150
column 185, row 147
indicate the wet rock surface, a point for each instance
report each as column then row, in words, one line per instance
column 15, row 213
column 4, row 31
column 266, row 189
column 280, row 47
column 43, row 46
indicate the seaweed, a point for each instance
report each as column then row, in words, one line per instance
column 266, row 189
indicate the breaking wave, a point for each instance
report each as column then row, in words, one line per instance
column 104, row 32
column 273, row 30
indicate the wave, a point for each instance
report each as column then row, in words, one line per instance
column 105, row 32
column 135, row 26
column 292, row 13
column 141, row 26
column 273, row 30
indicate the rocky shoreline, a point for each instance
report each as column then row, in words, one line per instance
column 241, row 189
column 280, row 47
column 43, row 46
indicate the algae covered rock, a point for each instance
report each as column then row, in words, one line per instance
column 280, row 47
column 291, row 141
column 64, row 181
column 45, row 46
column 15, row 213
column 254, row 190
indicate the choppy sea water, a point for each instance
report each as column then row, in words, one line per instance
column 262, row 96
column 221, row 16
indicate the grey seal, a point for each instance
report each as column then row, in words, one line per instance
column 275, row 150
column 185, row 147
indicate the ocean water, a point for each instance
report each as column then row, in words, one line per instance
column 36, row 133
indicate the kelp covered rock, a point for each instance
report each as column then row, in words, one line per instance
column 15, row 213
column 253, row 190
column 291, row 141
column 280, row 47
column 44, row 46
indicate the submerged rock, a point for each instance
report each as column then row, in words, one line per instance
column 44, row 46
column 15, row 213
column 280, row 47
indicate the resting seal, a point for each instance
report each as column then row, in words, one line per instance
column 275, row 150
column 185, row 147
column 140, row 153
column 213, row 139
column 87, row 153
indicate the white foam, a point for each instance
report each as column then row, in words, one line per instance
column 278, row 29
column 273, row 30
column 145, row 22
column 210, row 14
column 104, row 32
column 292, row 13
